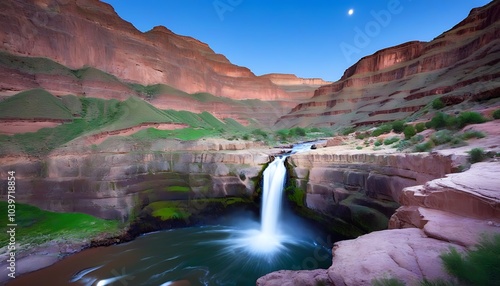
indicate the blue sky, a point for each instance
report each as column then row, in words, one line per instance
column 314, row 38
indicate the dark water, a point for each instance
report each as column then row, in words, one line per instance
column 231, row 254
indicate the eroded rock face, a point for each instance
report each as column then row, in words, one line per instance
column 454, row 211
column 362, row 189
column 461, row 64
column 111, row 184
column 90, row 33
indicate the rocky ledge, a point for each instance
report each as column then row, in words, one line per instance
column 453, row 211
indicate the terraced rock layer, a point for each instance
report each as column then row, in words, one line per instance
column 461, row 64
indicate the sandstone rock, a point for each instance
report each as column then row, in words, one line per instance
column 387, row 85
column 406, row 254
column 293, row 278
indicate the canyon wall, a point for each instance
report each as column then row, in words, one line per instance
column 89, row 33
column 461, row 64
column 451, row 211
column 358, row 192
column 112, row 182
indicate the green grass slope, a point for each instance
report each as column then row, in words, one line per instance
column 36, row 226
column 35, row 103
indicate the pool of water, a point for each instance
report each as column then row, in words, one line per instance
column 229, row 254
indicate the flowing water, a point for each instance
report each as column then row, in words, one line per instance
column 235, row 252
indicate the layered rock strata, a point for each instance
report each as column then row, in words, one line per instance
column 454, row 211
column 461, row 64
column 111, row 183
column 89, row 33
column 358, row 192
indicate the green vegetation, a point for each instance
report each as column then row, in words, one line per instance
column 398, row 126
column 382, row 130
column 35, row 103
column 166, row 210
column 36, row 226
column 496, row 114
column 441, row 137
column 419, row 127
column 424, row 147
column 469, row 117
column 178, row 189
column 480, row 266
column 469, row 134
column 477, row 155
column 437, row 104
column 378, row 142
column 477, row 267
column 391, row 140
column 409, row 131
column 347, row 131
column 442, row 120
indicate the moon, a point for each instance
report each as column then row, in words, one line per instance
column 350, row 12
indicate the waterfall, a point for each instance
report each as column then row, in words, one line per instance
column 274, row 181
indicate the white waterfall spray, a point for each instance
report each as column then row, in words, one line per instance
column 274, row 181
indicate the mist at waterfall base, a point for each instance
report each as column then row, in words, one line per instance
column 235, row 251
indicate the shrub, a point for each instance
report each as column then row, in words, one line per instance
column 472, row 134
column 297, row 131
column 477, row 267
column 398, row 126
column 258, row 132
column 416, row 139
column 419, row 127
column 362, row 135
column 423, row 147
column 391, row 140
column 437, row 103
column 382, row 130
column 347, row 131
column 403, row 144
column 440, row 120
column 476, row 155
column 245, row 137
column 496, row 114
column 409, row 131
column 441, row 137
column 378, row 142
column 359, row 147
column 469, row 117
column 457, row 142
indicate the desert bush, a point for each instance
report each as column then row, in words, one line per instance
column 378, row 142
column 496, row 114
column 409, row 131
column 391, row 140
column 359, row 147
column 472, row 134
column 437, row 103
column 423, row 147
column 440, row 120
column 476, row 155
column 398, row 126
column 347, row 131
column 382, row 130
column 441, row 137
column 469, row 117
column 419, row 127
column 477, row 267
column 362, row 135
column 259, row 132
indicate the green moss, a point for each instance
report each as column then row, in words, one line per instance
column 296, row 195
column 178, row 189
column 36, row 226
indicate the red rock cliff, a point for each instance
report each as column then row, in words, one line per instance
column 462, row 63
column 79, row 33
